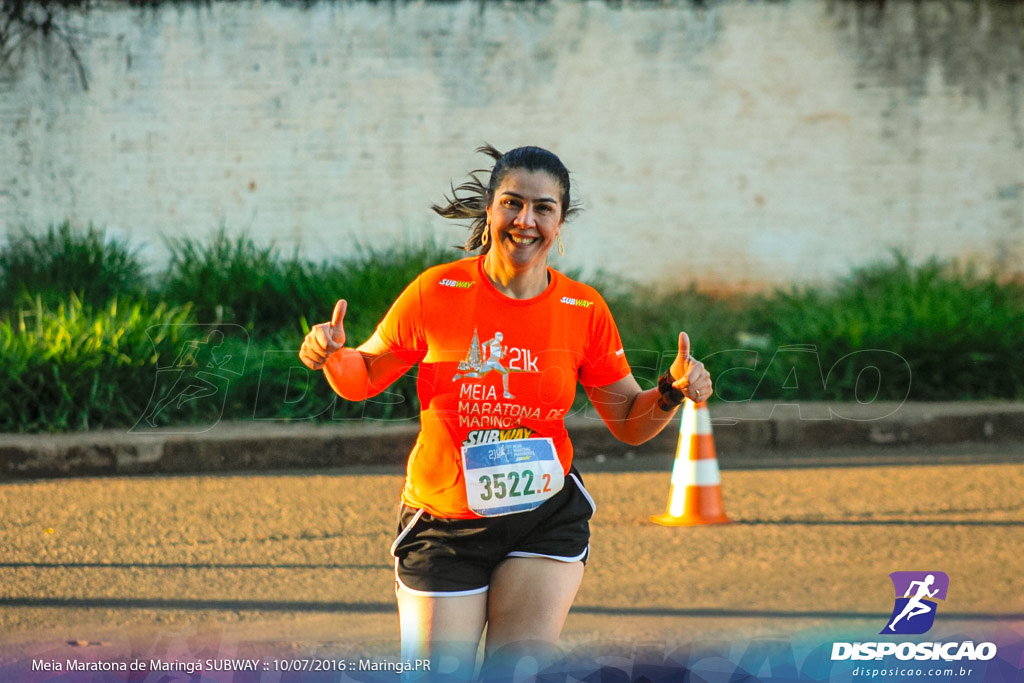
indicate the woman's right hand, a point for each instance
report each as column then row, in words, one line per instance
column 324, row 339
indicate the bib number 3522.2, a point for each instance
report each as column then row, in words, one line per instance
column 511, row 476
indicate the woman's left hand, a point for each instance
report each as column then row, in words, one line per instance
column 689, row 374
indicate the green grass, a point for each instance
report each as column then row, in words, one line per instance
column 66, row 260
column 74, row 367
column 82, row 354
column 235, row 280
column 935, row 331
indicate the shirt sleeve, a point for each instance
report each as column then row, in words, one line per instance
column 604, row 360
column 401, row 330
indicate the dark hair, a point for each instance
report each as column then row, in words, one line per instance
column 471, row 199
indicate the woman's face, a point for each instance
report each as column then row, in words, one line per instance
column 525, row 217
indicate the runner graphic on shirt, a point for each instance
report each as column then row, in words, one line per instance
column 475, row 366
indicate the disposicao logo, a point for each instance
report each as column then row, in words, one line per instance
column 915, row 607
column 913, row 614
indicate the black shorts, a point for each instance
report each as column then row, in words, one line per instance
column 437, row 556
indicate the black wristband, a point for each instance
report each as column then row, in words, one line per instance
column 671, row 397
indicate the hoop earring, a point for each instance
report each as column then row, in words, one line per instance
column 485, row 236
column 561, row 247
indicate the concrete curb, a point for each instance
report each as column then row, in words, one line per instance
column 751, row 428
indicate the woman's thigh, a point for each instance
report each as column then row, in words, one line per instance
column 528, row 602
column 443, row 630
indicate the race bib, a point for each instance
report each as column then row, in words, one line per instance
column 511, row 476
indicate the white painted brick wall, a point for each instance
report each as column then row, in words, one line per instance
column 745, row 145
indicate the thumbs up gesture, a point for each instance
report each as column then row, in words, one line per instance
column 324, row 339
column 689, row 375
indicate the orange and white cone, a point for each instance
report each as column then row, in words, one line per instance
column 695, row 496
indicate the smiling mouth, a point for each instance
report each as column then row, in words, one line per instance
column 522, row 241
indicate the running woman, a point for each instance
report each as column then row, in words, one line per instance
column 493, row 527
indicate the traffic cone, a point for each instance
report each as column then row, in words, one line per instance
column 695, row 495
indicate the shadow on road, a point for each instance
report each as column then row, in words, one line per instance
column 179, row 565
column 878, row 522
column 387, row 608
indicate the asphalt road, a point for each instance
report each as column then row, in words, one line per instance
column 297, row 562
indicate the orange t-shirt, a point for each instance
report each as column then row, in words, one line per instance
column 492, row 368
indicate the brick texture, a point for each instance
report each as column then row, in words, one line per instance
column 742, row 145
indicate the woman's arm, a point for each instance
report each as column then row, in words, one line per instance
column 353, row 374
column 634, row 415
column 356, row 375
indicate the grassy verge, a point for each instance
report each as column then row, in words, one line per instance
column 72, row 366
column 91, row 341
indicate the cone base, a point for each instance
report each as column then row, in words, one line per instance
column 669, row 520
